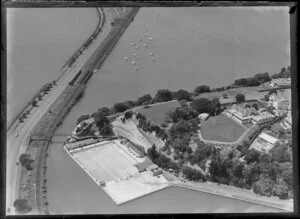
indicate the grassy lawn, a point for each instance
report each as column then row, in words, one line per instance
column 225, row 129
column 158, row 113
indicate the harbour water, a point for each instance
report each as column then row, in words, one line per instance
column 191, row 46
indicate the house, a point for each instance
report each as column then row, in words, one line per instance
column 203, row 116
column 157, row 172
column 287, row 122
column 240, row 113
column 152, row 167
column 279, row 101
column 264, row 143
column 280, row 82
column 262, row 118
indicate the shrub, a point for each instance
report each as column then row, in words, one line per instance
column 22, row 206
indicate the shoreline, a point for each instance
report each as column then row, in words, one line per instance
column 208, row 188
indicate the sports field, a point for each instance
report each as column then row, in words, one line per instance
column 158, row 112
column 106, row 162
column 221, row 128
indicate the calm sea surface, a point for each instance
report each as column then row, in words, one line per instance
column 191, row 46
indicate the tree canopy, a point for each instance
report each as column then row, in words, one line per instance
column 183, row 95
column 203, row 105
column 144, row 99
column 163, row 95
column 120, row 107
column 240, row 98
column 202, row 89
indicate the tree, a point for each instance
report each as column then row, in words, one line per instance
column 33, row 103
column 128, row 115
column 255, row 106
column 267, row 97
column 203, row 105
column 120, row 107
column 163, row 95
column 193, row 174
column 264, row 186
column 280, row 153
column 183, row 95
column 152, row 153
column 281, row 190
column 102, row 121
column 22, row 206
column 251, row 156
column 262, row 77
column 240, row 98
column 104, row 111
column 144, row 99
column 26, row 161
column 202, row 89
column 106, row 130
column 82, row 118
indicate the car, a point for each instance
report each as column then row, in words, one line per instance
column 16, row 135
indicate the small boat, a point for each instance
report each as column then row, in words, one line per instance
column 126, row 58
column 136, row 68
column 146, row 45
column 150, row 54
column 137, row 57
column 133, row 62
column 150, row 38
column 137, row 47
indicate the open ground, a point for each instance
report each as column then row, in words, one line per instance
column 221, row 128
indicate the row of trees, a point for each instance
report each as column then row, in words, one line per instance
column 284, row 73
column 161, row 160
column 193, row 174
column 257, row 80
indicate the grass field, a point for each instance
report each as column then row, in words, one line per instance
column 158, row 113
column 225, row 129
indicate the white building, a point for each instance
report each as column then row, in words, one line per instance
column 203, row 116
column 264, row 143
column 280, row 82
column 262, row 118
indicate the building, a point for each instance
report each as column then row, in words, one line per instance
column 157, row 172
column 287, row 122
column 143, row 166
column 279, row 101
column 280, row 82
column 240, row 113
column 135, row 150
column 152, row 167
column 262, row 118
column 203, row 116
column 264, row 143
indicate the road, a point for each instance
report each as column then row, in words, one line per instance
column 17, row 145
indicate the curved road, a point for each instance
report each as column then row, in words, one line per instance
column 17, row 139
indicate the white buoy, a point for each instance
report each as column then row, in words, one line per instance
column 150, row 38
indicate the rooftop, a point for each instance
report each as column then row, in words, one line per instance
column 268, row 138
